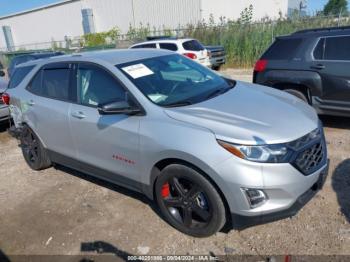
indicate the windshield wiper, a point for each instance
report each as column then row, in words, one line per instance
column 180, row 103
column 220, row 91
column 217, row 92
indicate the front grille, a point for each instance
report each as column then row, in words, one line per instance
column 217, row 53
column 311, row 159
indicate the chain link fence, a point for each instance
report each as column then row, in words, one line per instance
column 244, row 41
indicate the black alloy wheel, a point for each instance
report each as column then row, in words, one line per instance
column 189, row 202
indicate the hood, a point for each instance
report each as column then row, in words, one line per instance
column 3, row 85
column 251, row 115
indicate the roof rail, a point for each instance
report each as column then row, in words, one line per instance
column 325, row 29
column 150, row 38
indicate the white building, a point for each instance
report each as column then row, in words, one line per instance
column 73, row 18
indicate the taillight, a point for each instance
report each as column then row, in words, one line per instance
column 5, row 98
column 191, row 55
column 260, row 65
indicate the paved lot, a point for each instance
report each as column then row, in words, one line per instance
column 56, row 210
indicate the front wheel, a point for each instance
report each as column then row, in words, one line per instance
column 189, row 202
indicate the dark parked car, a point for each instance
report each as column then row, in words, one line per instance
column 313, row 65
column 28, row 57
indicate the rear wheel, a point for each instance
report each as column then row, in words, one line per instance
column 189, row 202
column 33, row 151
column 298, row 94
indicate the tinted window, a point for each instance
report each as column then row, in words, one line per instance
column 168, row 46
column 55, row 83
column 146, row 46
column 96, row 86
column 19, row 74
column 193, row 45
column 35, row 84
column 283, row 49
column 337, row 48
column 319, row 50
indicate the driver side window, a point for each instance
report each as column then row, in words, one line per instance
column 97, row 87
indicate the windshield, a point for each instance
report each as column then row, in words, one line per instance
column 174, row 80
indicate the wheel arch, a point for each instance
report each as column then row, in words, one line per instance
column 161, row 164
column 299, row 87
column 24, row 123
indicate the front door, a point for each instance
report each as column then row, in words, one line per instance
column 107, row 142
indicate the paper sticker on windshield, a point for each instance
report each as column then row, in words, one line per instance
column 137, row 71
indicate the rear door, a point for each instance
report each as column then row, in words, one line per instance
column 46, row 107
column 108, row 145
column 332, row 62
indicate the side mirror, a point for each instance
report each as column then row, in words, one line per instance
column 2, row 73
column 119, row 107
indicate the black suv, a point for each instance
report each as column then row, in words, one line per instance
column 313, row 65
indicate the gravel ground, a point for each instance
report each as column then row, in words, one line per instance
column 55, row 211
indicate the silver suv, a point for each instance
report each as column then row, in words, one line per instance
column 207, row 149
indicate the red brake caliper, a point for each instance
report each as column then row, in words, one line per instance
column 165, row 190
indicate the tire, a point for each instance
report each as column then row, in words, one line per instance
column 216, row 68
column 298, row 94
column 33, row 151
column 199, row 210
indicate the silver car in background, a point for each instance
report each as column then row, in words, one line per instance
column 209, row 150
column 4, row 111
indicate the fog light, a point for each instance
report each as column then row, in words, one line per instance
column 255, row 197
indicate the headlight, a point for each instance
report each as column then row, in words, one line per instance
column 278, row 153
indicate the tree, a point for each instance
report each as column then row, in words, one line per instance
column 336, row 7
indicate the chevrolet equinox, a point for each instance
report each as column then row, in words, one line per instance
column 209, row 150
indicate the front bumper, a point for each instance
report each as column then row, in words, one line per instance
column 218, row 61
column 240, row 222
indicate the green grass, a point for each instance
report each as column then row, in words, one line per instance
column 244, row 43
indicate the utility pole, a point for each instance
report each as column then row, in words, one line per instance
column 339, row 17
column 133, row 12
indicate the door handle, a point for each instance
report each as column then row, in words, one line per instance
column 79, row 115
column 30, row 103
column 318, row 67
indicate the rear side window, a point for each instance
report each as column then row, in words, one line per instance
column 145, row 46
column 52, row 82
column 192, row 45
column 55, row 83
column 319, row 50
column 35, row 84
column 19, row 74
column 168, row 46
column 337, row 48
column 283, row 49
